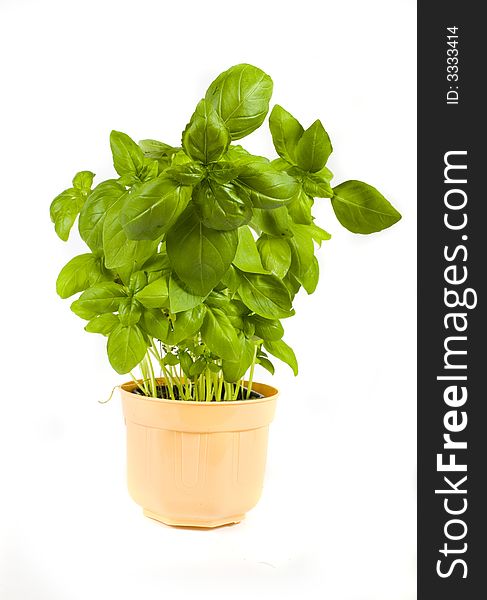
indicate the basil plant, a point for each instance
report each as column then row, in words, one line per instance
column 196, row 252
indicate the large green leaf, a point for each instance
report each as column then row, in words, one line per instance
column 128, row 157
column 200, row 255
column 102, row 298
column 64, row 210
column 78, row 274
column 179, row 298
column 126, row 347
column 234, row 370
column 266, row 295
column 268, row 188
column 218, row 333
column 206, row 136
column 241, row 97
column 283, row 352
column 119, row 250
column 222, row 206
column 153, row 207
column 247, row 257
column 94, row 211
column 286, row 132
column 275, row 254
column 313, row 148
column 154, row 295
column 361, row 208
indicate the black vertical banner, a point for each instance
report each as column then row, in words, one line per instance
column 452, row 332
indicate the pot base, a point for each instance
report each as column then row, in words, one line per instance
column 187, row 522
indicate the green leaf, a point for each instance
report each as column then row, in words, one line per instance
column 153, row 207
column 219, row 335
column 264, row 362
column 292, row 284
column 83, row 181
column 94, row 211
column 186, row 324
column 316, row 186
column 126, row 348
column 137, row 281
column 311, row 277
column 155, row 295
column 104, row 297
column 149, row 170
column 188, row 174
column 235, row 370
column 156, row 149
column 186, row 363
column 157, row 262
column 267, row 329
column 222, row 206
column 179, row 298
column 171, row 359
column 313, row 148
column 286, row 132
column 318, row 234
column 103, row 324
column 129, row 311
column 361, row 208
column 128, row 157
column 267, row 187
column 283, row 352
column 241, row 97
column 300, row 209
column 223, row 172
column 302, row 251
column 200, row 255
column 155, row 323
column 64, row 210
column 197, row 367
column 119, row 250
column 77, row 274
column 275, row 222
column 206, row 136
column 230, row 280
column 266, row 295
column 247, row 257
column 275, row 254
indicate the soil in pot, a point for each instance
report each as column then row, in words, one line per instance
column 163, row 393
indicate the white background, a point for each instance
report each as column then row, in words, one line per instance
column 337, row 516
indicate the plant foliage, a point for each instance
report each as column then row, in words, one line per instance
column 196, row 252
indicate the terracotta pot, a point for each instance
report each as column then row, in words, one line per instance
column 198, row 464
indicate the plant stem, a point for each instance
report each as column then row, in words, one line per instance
column 251, row 373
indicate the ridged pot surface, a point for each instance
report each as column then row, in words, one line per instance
column 197, row 464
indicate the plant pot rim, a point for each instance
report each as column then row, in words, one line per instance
column 269, row 391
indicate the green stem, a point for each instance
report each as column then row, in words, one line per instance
column 251, row 373
column 152, row 376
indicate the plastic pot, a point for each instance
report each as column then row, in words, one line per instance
column 198, row 464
